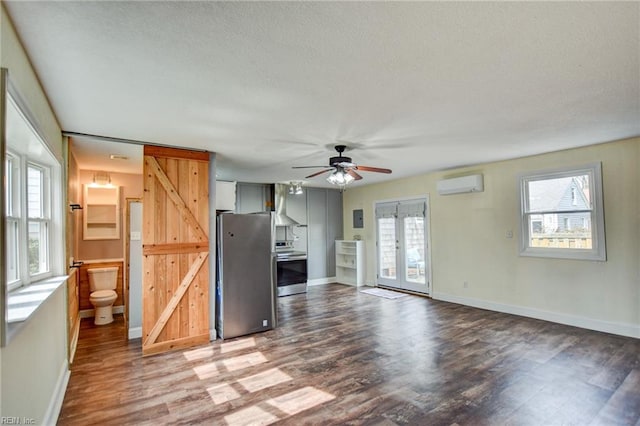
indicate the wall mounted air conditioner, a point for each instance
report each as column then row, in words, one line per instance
column 471, row 183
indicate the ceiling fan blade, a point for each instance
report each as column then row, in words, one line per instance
column 373, row 169
column 306, row 167
column 318, row 173
column 354, row 174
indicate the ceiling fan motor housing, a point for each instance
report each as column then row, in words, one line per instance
column 339, row 159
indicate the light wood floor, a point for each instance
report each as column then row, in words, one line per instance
column 344, row 357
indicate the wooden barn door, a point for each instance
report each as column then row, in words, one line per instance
column 175, row 247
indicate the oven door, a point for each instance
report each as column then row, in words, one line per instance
column 292, row 276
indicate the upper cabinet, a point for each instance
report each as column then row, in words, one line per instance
column 101, row 216
column 225, row 195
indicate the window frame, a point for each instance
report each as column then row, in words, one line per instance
column 13, row 232
column 18, row 161
column 598, row 244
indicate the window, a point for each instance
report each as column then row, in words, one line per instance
column 562, row 213
column 28, row 201
column 38, row 220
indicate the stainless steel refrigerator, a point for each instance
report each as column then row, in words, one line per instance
column 246, row 268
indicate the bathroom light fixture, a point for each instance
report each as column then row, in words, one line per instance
column 102, row 179
column 118, row 157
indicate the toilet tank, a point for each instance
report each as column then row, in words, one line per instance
column 103, row 278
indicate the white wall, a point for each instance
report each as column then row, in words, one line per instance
column 469, row 243
column 33, row 366
column 22, row 75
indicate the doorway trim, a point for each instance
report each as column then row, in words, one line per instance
column 428, row 257
column 127, row 262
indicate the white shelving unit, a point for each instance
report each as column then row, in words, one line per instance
column 350, row 262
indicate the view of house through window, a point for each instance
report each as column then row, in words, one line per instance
column 561, row 212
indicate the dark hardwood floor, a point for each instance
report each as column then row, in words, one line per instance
column 344, row 357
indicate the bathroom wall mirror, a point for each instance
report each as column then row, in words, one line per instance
column 101, row 218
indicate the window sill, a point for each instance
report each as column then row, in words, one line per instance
column 25, row 301
column 557, row 253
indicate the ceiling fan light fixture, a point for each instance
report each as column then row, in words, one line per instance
column 340, row 177
column 342, row 171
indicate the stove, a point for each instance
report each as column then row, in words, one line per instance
column 291, row 272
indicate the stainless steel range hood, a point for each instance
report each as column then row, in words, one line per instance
column 280, row 198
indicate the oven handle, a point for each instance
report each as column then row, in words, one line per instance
column 286, row 259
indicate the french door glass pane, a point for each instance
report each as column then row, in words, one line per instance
column 414, row 249
column 387, row 247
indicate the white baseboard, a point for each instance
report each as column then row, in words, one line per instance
column 622, row 329
column 321, row 281
column 90, row 313
column 135, row 332
column 55, row 404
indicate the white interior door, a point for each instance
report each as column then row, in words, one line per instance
column 401, row 233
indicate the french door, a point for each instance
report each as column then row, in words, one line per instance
column 401, row 240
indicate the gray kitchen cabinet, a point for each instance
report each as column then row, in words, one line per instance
column 252, row 197
column 334, row 228
column 324, row 226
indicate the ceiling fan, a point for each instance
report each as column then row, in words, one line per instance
column 342, row 168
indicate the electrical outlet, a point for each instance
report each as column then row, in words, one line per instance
column 465, row 284
column 509, row 234
column 265, row 323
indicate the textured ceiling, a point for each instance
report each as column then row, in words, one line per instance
column 412, row 86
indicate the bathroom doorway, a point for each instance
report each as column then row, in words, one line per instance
column 91, row 161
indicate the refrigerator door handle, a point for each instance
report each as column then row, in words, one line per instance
column 274, row 290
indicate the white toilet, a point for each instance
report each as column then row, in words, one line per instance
column 102, row 283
